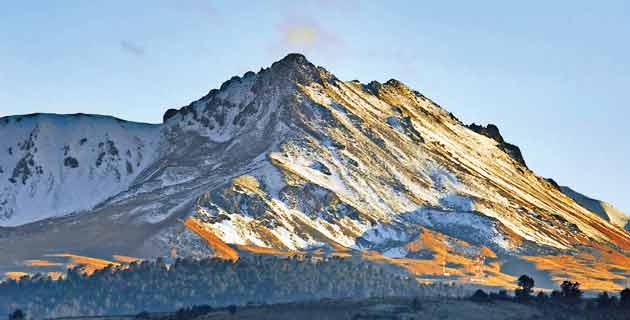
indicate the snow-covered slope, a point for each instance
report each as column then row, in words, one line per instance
column 603, row 209
column 53, row 165
column 325, row 160
column 293, row 158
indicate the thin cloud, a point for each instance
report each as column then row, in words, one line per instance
column 299, row 34
column 132, row 48
column 304, row 35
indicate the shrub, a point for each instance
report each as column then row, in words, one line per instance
column 17, row 315
column 231, row 309
column 624, row 298
column 502, row 295
column 416, row 305
column 480, row 296
column 542, row 297
column 603, row 300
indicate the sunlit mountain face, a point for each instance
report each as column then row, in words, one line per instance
column 293, row 160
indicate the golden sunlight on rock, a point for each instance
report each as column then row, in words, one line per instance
column 222, row 250
column 42, row 263
column 15, row 275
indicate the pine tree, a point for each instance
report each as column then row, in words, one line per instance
column 526, row 285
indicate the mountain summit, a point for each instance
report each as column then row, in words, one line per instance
column 291, row 159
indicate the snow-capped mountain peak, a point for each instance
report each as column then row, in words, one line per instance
column 292, row 158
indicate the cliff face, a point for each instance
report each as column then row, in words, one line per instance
column 293, row 159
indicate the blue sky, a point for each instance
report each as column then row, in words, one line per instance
column 552, row 75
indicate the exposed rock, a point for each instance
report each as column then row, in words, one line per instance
column 71, row 162
column 492, row 131
column 169, row 114
column 553, row 183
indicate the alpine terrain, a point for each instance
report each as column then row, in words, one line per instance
column 293, row 160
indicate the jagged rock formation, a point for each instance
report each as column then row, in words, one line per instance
column 492, row 131
column 292, row 158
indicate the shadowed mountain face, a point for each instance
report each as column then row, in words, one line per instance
column 291, row 158
column 603, row 209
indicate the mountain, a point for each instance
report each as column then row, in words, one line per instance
column 601, row 208
column 293, row 159
column 53, row 165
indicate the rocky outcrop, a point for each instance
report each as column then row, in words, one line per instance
column 492, row 131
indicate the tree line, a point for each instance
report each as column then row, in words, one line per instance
column 160, row 287
column 566, row 303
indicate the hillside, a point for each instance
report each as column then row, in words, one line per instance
column 604, row 209
column 52, row 165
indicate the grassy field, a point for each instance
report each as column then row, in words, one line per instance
column 392, row 309
column 388, row 308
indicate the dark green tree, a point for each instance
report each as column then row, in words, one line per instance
column 571, row 292
column 17, row 315
column 556, row 297
column 525, row 288
column 542, row 297
column 603, row 300
column 624, row 298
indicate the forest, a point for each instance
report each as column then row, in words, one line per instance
column 159, row 286
column 188, row 288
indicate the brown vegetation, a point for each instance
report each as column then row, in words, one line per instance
column 221, row 249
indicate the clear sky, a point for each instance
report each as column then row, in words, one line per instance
column 553, row 75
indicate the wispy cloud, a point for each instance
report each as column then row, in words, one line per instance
column 132, row 48
column 301, row 34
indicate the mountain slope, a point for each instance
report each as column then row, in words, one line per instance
column 384, row 154
column 53, row 165
column 292, row 158
column 603, row 209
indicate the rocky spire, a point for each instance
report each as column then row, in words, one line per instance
column 293, row 68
